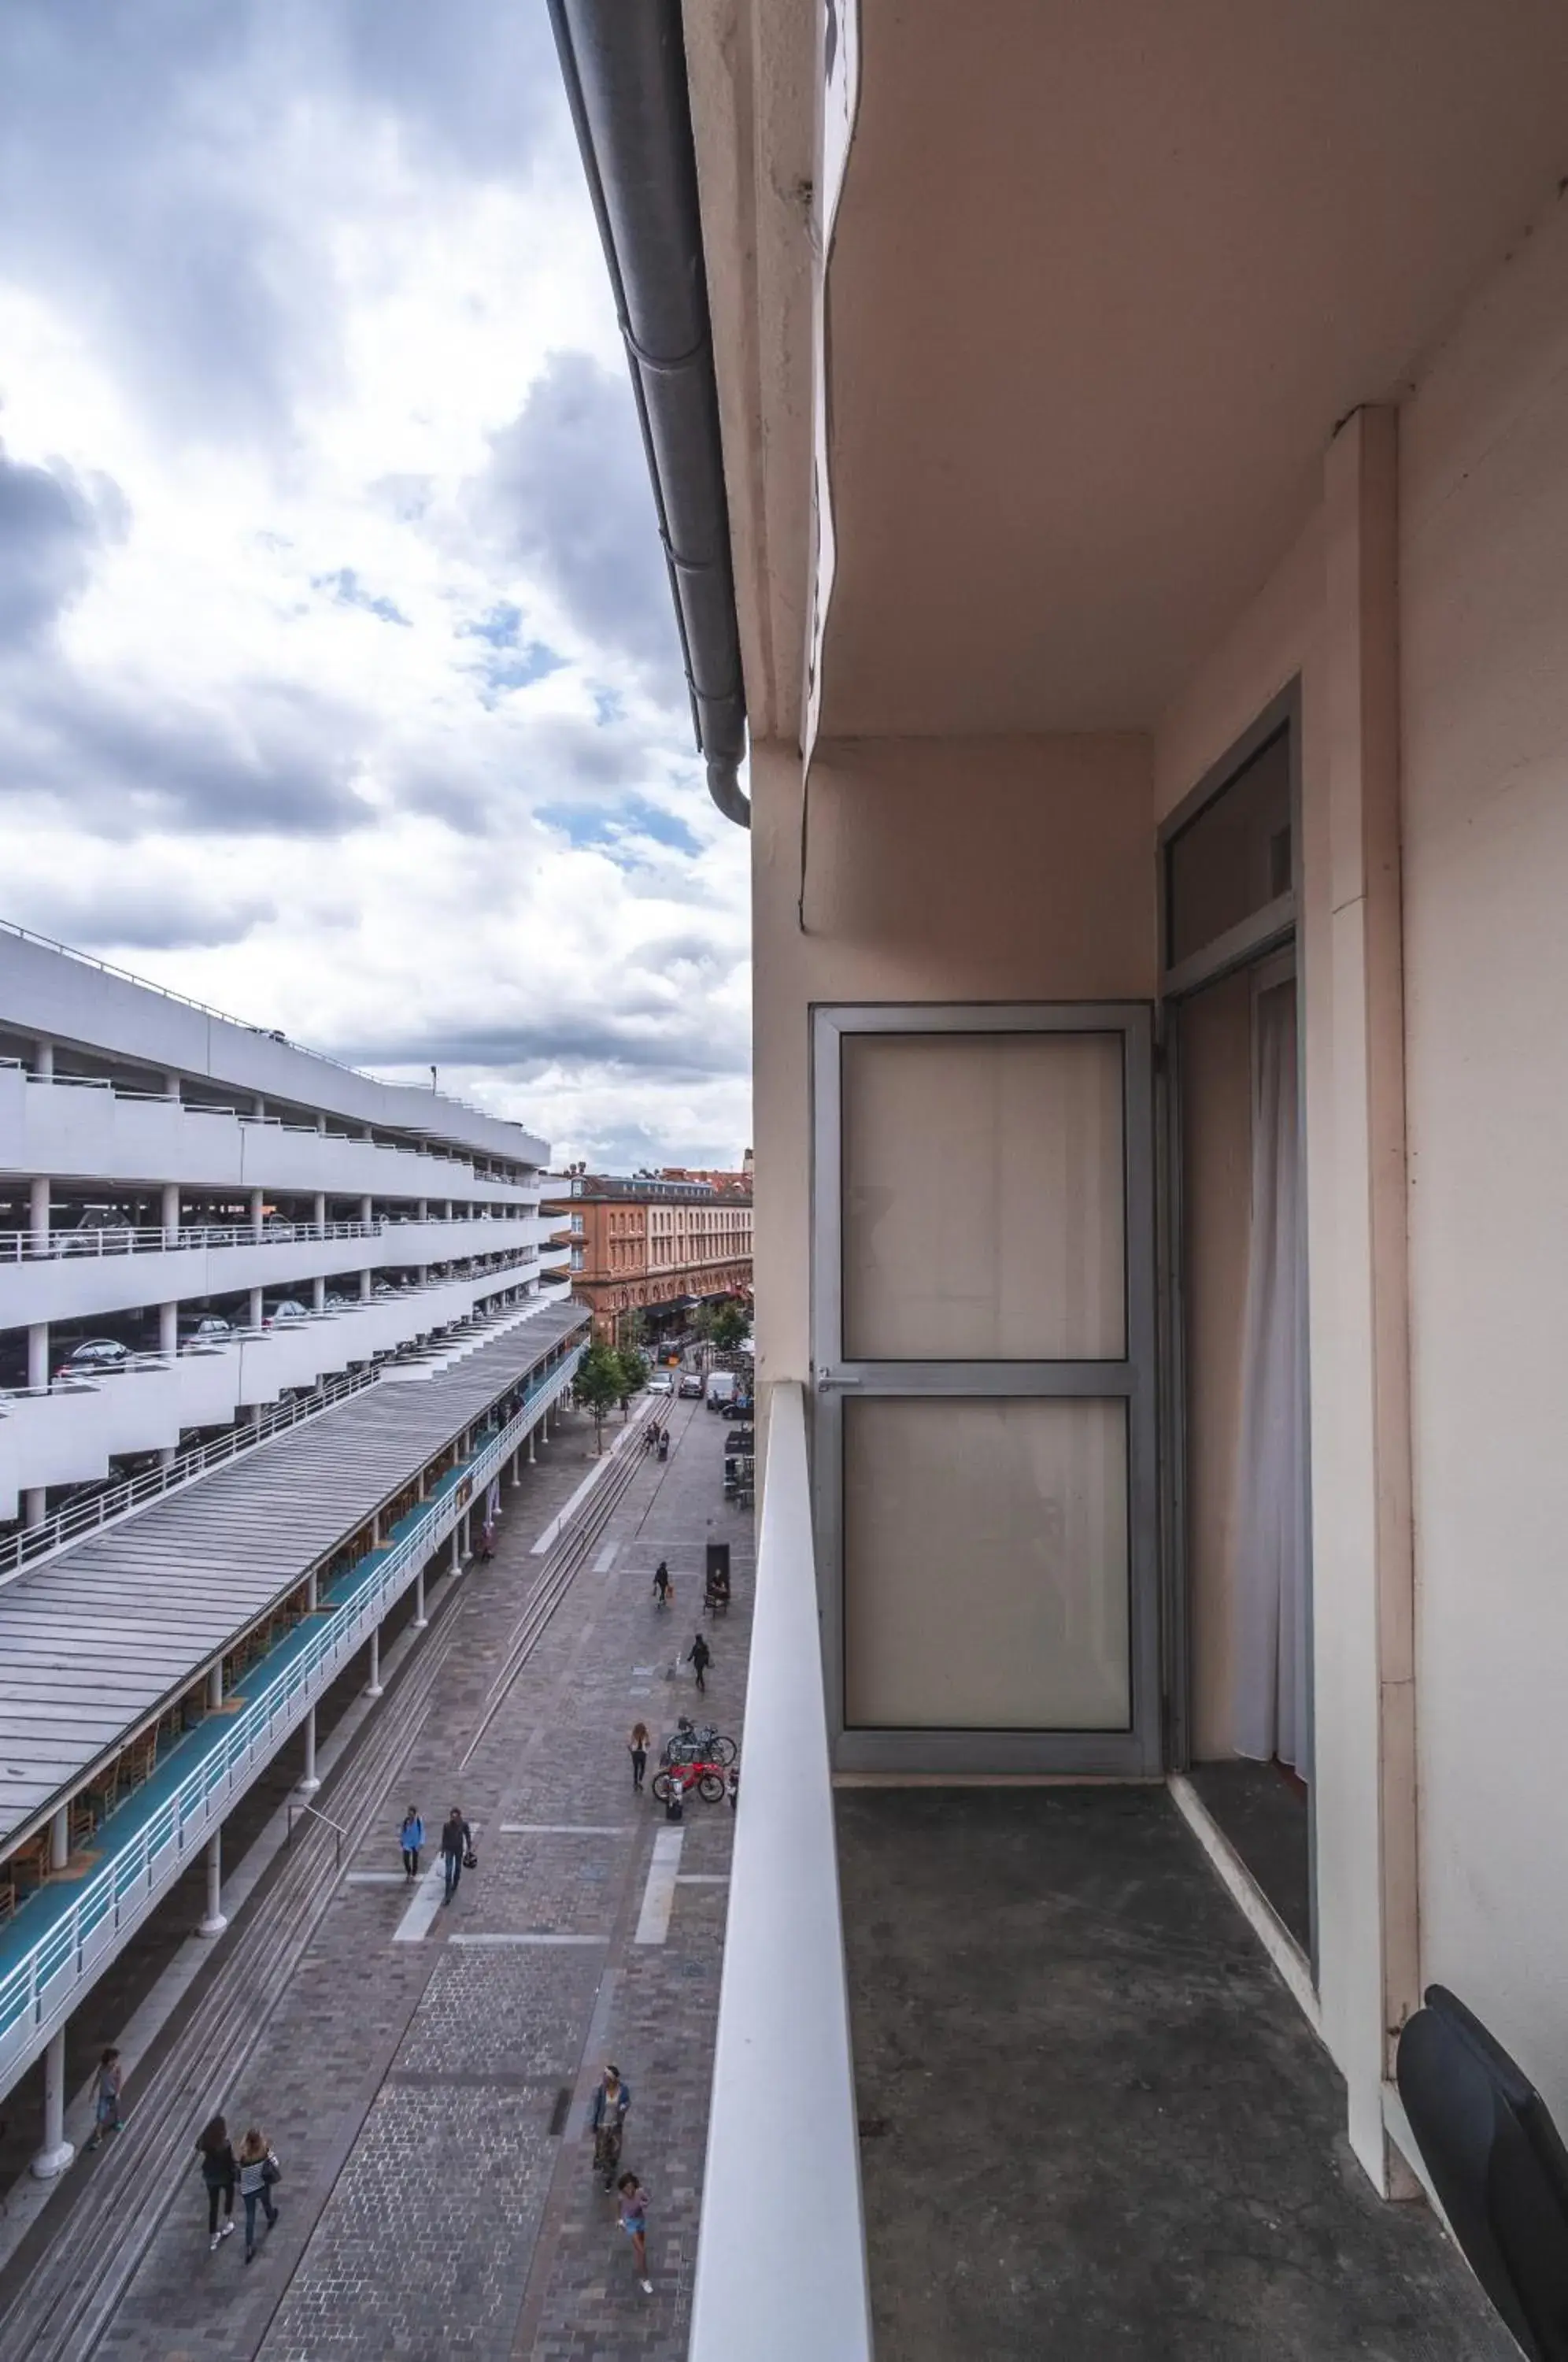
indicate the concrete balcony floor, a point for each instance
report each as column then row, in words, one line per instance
column 1094, row 2124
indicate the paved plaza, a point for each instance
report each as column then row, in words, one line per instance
column 426, row 2088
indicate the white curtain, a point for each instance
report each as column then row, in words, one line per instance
column 1270, row 1660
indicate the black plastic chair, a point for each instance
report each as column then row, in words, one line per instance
column 1496, row 2163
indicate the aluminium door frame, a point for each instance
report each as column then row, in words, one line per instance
column 1136, row 1751
column 1275, row 929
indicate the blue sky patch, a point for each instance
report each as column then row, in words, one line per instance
column 609, row 825
column 350, row 591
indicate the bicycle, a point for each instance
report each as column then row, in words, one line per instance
column 682, row 1778
column 691, row 1743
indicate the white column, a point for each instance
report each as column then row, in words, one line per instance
column 35, row 1506
column 214, row 1923
column 57, row 2151
column 318, row 1211
column 169, row 1328
column 38, row 1354
column 258, row 1200
column 258, row 1109
column 309, row 1783
column 43, row 1061
column 318, row 1292
column 1364, row 1779
column 171, row 1086
column 457, row 1552
column 255, row 1309
column 373, row 1686
column 367, row 1282
column 421, row 1620
column 59, row 1839
column 532, row 1454
column 313, row 1592
column 38, row 1214
column 215, row 1688
column 171, row 1213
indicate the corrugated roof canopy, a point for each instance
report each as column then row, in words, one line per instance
column 96, row 1639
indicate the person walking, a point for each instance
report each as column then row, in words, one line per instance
column 611, row 2102
column 218, row 2173
column 634, row 2222
column 700, row 1657
column 456, row 1849
column 411, row 1837
column 733, row 1785
column 663, row 1587
column 107, row 2087
column 258, row 2169
column 637, row 1747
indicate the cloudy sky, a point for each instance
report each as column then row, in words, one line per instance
column 338, row 683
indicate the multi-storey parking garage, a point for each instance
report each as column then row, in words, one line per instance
column 271, row 1335
column 200, row 1222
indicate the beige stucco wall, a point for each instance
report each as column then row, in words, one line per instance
column 1485, row 640
column 1483, row 622
column 975, row 869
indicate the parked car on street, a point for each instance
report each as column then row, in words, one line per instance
column 661, row 1383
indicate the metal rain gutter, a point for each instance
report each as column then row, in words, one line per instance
column 624, row 66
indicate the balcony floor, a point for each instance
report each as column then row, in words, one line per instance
column 1093, row 2122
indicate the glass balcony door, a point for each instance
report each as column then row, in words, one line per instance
column 984, row 1374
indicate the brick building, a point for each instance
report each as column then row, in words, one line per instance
column 656, row 1243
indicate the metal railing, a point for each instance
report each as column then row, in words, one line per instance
column 270, row 1034
column 425, row 1147
column 314, row 1813
column 781, row 2254
column 123, row 1238
column 38, row 1995
column 117, row 1501
column 23, row 1549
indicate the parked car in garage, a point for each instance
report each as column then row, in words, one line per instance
column 204, row 1329
column 92, row 1357
column 288, row 1308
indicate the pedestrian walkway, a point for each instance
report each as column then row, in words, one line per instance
column 428, row 2097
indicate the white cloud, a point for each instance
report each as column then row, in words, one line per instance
column 324, row 728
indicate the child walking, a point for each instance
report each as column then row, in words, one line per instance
column 634, row 2222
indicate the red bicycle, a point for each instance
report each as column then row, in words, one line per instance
column 679, row 1779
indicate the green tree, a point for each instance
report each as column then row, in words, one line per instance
column 632, row 1328
column 731, row 1324
column 702, row 1320
column 597, row 1384
column 633, row 1368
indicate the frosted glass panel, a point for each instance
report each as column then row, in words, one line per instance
column 983, row 1197
column 985, row 1563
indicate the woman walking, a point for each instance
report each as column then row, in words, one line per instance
column 258, row 2169
column 411, row 1836
column 700, row 1657
column 106, row 2085
column 634, row 2222
column 638, row 1747
column 218, row 2170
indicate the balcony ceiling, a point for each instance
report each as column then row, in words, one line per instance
column 1105, row 279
